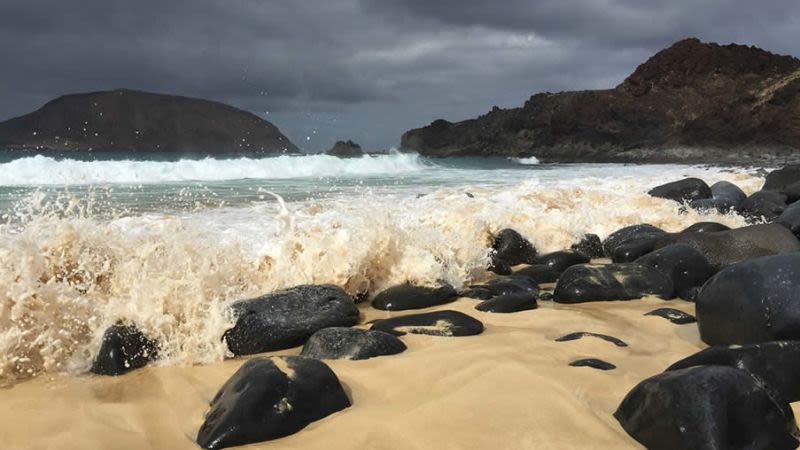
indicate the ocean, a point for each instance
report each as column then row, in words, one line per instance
column 166, row 243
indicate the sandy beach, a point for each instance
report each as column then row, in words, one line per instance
column 509, row 388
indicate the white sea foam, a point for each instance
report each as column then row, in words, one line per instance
column 65, row 279
column 529, row 161
column 41, row 170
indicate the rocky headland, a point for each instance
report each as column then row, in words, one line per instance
column 134, row 121
column 692, row 102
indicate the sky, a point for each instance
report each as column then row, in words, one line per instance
column 366, row 70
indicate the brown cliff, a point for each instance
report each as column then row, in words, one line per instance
column 693, row 101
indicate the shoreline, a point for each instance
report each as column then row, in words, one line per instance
column 509, row 387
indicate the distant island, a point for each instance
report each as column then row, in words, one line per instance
column 692, row 102
column 129, row 120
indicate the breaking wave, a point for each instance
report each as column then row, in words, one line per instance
column 68, row 274
column 43, row 170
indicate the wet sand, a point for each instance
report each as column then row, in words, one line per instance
column 509, row 388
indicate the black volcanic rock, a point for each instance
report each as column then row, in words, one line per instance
column 628, row 281
column 755, row 301
column 287, row 318
column 681, row 191
column 706, row 407
column 690, row 102
column 409, row 296
column 124, row 348
column 786, row 181
column 269, row 398
column 351, row 343
column 345, row 148
column 445, row 323
column 723, row 248
column 128, row 120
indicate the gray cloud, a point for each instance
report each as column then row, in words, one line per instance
column 362, row 69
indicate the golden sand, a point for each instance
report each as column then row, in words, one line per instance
column 509, row 388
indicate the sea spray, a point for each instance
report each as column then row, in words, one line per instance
column 43, row 170
column 71, row 268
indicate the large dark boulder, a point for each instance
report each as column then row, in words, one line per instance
column 785, row 181
column 754, row 301
column 684, row 265
column 351, row 343
column 124, row 348
column 724, row 248
column 705, row 227
column 269, row 398
column 684, row 190
column 408, row 296
column 510, row 247
column 775, row 364
column 790, row 218
column 706, row 407
column 590, row 245
column 509, row 303
column 725, row 196
column 559, row 261
column 762, row 206
column 285, row 319
column 136, row 121
column 631, row 235
column 587, row 283
column 439, row 323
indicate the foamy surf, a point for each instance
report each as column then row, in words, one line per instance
column 70, row 274
column 529, row 161
column 42, row 170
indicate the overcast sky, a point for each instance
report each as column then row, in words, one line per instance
column 366, row 70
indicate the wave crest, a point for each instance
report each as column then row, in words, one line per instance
column 43, row 170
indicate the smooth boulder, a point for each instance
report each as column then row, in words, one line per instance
column 351, row 343
column 509, row 303
column 785, row 181
column 559, row 261
column 684, row 265
column 124, row 348
column 775, row 364
column 629, row 235
column 510, row 247
column 590, row 245
column 705, row 227
column 754, row 301
column 269, row 398
column 439, row 323
column 408, row 296
column 706, row 407
column 586, row 283
column 790, row 218
column 681, row 191
column 725, row 196
column 724, row 248
column 287, row 318
column 762, row 206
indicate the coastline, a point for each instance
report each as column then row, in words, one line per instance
column 510, row 387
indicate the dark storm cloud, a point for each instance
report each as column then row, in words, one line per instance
column 363, row 69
